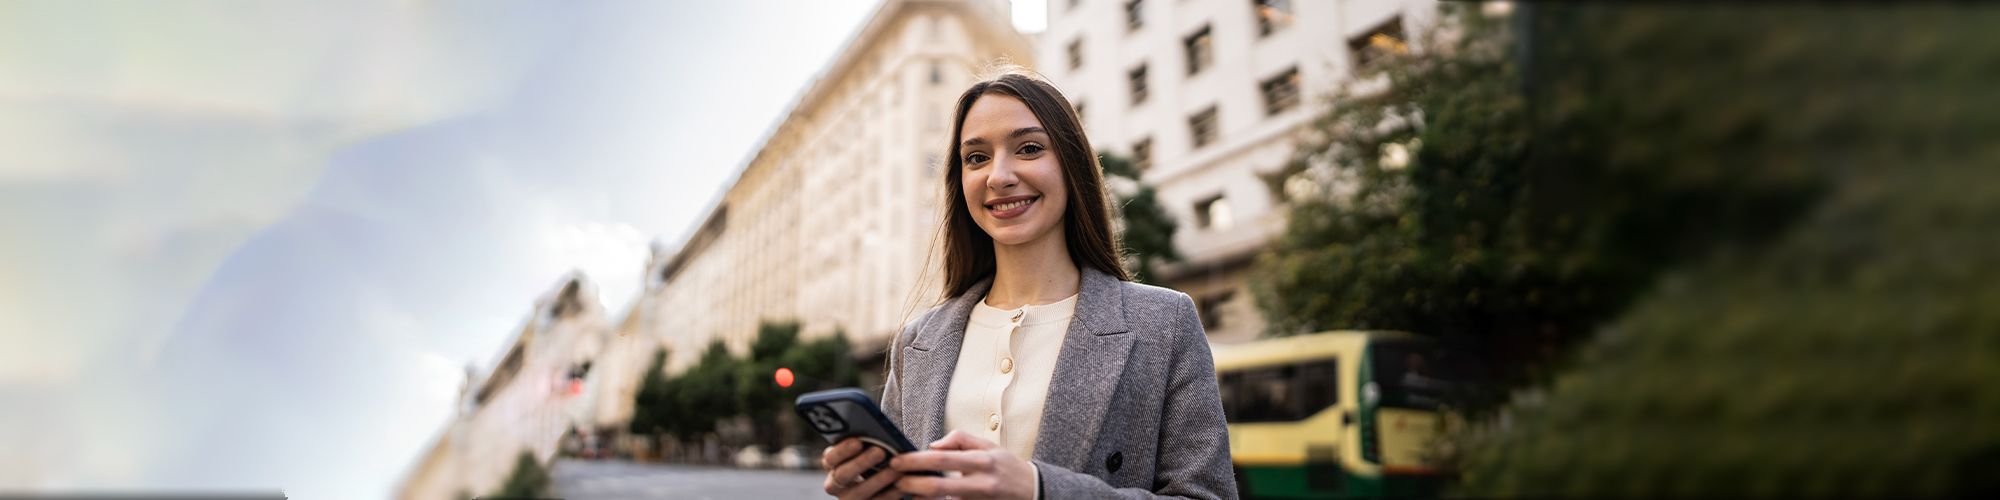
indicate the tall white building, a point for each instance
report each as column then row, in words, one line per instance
column 534, row 392
column 831, row 221
column 1206, row 95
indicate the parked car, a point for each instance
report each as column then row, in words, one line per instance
column 795, row 457
column 751, row 457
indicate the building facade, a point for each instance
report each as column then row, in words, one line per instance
column 1206, row 95
column 535, row 392
column 831, row 221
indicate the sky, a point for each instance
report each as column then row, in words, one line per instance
column 253, row 245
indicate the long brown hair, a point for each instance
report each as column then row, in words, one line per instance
column 968, row 250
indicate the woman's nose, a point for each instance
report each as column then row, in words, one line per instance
column 1002, row 176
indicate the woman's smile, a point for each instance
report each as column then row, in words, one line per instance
column 1011, row 207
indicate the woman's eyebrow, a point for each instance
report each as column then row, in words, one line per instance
column 980, row 141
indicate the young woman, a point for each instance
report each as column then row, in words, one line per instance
column 1054, row 375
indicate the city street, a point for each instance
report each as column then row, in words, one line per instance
column 618, row 479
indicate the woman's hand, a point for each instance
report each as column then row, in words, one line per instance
column 985, row 470
column 844, row 462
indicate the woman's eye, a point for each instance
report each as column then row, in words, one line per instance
column 975, row 158
column 1028, row 149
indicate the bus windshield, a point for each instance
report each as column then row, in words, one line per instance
column 1408, row 375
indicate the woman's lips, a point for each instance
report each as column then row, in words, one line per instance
column 1012, row 209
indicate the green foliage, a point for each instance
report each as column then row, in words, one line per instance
column 651, row 410
column 1850, row 350
column 722, row 386
column 1516, row 223
column 707, row 391
column 529, row 479
column 1148, row 232
column 757, row 393
column 823, row 363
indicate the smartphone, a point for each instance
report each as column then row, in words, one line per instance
column 841, row 413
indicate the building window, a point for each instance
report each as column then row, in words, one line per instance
column 1210, row 310
column 1079, row 113
column 1142, row 154
column 1213, row 213
column 1281, row 92
column 1134, row 15
column 1202, row 127
column 1076, row 53
column 1200, row 53
column 937, row 73
column 1072, row 4
column 1383, row 41
column 1137, row 79
column 1272, row 15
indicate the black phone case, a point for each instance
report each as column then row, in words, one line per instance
column 847, row 412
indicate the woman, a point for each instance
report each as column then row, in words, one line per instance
column 1055, row 376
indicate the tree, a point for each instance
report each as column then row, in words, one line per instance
column 757, row 394
column 1455, row 202
column 529, row 479
column 721, row 386
column 1147, row 230
column 706, row 392
column 823, row 363
column 653, row 405
column 1849, row 351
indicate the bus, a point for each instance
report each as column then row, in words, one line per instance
column 1334, row 415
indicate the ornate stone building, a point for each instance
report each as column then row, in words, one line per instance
column 831, row 220
column 1205, row 95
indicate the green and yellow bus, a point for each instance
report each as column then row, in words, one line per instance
column 1334, row 414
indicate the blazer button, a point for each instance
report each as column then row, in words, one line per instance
column 1113, row 462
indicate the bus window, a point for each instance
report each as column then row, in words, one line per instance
column 1279, row 393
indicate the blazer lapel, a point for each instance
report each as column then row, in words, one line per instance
column 929, row 362
column 1088, row 370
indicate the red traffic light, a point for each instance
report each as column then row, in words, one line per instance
column 784, row 377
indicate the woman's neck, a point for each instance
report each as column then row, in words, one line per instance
column 1036, row 272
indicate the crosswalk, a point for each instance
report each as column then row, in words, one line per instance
column 618, row 480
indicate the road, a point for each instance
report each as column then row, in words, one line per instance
column 618, row 479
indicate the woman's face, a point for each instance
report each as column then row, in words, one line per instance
column 1013, row 184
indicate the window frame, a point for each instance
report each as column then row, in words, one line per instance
column 1266, row 24
column 1360, row 55
column 1142, row 154
column 1196, row 135
column 1135, row 15
column 1204, row 210
column 1136, row 84
column 1275, row 106
column 1204, row 40
column 1075, row 52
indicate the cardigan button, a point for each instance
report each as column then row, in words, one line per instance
column 1007, row 365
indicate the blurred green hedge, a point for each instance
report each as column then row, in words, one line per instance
column 1856, row 351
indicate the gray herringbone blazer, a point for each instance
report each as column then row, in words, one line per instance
column 1133, row 410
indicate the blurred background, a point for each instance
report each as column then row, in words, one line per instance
column 429, row 249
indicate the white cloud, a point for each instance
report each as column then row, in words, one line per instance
column 332, row 206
